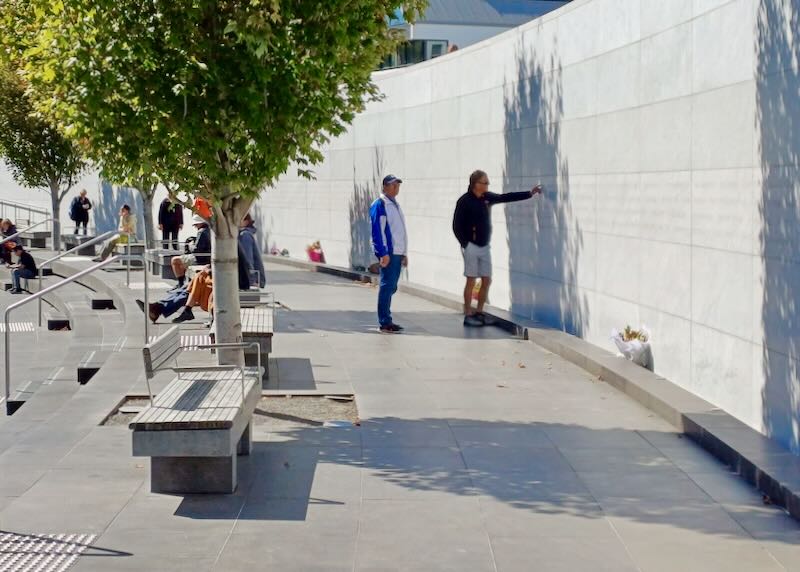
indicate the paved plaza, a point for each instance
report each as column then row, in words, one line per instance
column 476, row 451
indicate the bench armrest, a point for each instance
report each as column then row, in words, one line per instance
column 234, row 345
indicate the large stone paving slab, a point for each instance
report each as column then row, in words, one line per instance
column 476, row 451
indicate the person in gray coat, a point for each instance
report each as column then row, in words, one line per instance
column 249, row 247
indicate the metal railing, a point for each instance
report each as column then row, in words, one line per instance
column 24, row 230
column 42, row 266
column 31, row 298
column 6, row 205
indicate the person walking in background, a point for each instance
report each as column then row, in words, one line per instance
column 79, row 211
column 170, row 221
column 250, row 250
column 389, row 242
column 25, row 268
column 472, row 225
column 126, row 228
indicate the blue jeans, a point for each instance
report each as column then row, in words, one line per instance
column 18, row 273
column 174, row 301
column 389, row 277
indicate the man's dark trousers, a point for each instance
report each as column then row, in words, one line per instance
column 389, row 278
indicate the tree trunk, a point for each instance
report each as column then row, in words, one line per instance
column 224, row 261
column 55, row 203
column 225, row 268
column 149, row 229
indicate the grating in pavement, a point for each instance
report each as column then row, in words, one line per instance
column 17, row 327
column 41, row 552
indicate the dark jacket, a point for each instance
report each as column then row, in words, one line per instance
column 11, row 230
column 170, row 215
column 249, row 246
column 472, row 221
column 202, row 247
column 76, row 210
column 244, row 270
column 27, row 261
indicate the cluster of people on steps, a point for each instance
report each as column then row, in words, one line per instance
column 185, row 295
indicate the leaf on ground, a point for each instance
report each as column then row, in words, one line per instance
column 521, row 365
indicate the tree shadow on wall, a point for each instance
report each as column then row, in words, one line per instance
column 361, row 255
column 544, row 238
column 106, row 213
column 778, row 117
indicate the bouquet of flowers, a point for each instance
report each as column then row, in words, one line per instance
column 634, row 345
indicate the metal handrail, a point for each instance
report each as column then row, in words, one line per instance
column 32, row 297
column 26, row 229
column 25, row 206
column 95, row 240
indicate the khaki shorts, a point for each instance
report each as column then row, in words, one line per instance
column 477, row 260
column 188, row 259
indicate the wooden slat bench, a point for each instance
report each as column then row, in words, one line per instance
column 258, row 326
column 194, row 429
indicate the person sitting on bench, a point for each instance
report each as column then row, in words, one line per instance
column 199, row 292
column 126, row 228
column 196, row 293
column 199, row 254
column 7, row 229
column 25, row 268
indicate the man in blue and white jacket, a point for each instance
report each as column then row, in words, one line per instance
column 390, row 246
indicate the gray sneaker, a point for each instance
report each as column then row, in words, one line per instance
column 473, row 322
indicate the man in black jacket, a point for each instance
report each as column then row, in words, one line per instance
column 472, row 225
column 170, row 221
column 79, row 211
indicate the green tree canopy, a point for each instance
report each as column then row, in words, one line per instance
column 215, row 97
column 38, row 155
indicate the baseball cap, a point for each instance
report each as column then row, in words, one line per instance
column 389, row 179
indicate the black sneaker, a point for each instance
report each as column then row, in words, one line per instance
column 473, row 321
column 185, row 316
column 398, row 328
column 389, row 329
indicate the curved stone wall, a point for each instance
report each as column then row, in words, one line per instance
column 667, row 135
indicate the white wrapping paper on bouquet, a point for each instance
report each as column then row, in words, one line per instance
column 637, row 351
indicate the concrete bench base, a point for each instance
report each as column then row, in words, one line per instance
column 35, row 239
column 197, row 474
column 159, row 262
column 216, row 473
column 73, row 240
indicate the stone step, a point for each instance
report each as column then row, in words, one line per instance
column 56, row 321
column 90, row 364
column 101, row 302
